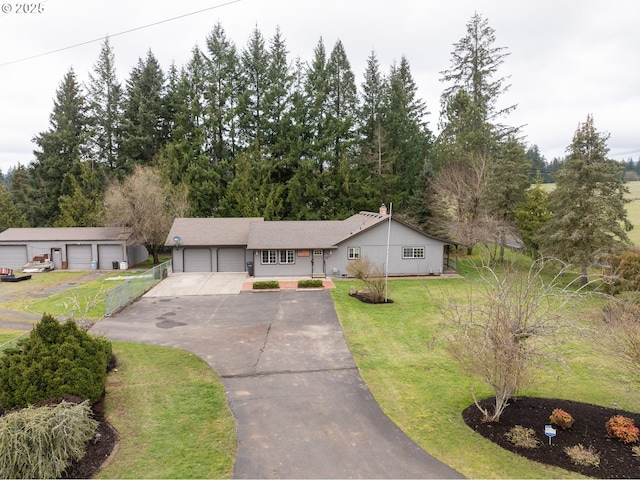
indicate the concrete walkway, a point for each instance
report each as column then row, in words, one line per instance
column 301, row 407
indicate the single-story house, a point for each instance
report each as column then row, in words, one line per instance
column 71, row 247
column 305, row 248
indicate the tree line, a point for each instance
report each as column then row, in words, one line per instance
column 251, row 132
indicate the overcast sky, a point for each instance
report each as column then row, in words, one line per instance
column 567, row 59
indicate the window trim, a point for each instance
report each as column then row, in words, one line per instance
column 413, row 256
column 353, row 253
column 289, row 257
column 269, row 258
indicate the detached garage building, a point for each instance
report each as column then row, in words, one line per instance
column 79, row 248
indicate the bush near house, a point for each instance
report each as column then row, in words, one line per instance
column 54, row 360
column 266, row 285
column 310, row 283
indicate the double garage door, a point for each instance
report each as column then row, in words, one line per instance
column 229, row 259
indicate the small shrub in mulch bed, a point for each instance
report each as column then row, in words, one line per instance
column 310, row 283
column 266, row 285
column 616, row 458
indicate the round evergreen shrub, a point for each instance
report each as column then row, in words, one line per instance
column 56, row 359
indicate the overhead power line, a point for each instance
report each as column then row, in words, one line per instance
column 24, row 59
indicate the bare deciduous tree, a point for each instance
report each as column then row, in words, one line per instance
column 457, row 200
column 507, row 329
column 146, row 203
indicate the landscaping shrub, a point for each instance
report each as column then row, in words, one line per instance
column 54, row 360
column 310, row 283
column 636, row 451
column 622, row 428
column 266, row 285
column 579, row 455
column 623, row 271
column 523, row 437
column 372, row 275
column 43, row 442
column 561, row 418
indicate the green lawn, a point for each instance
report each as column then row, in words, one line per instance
column 399, row 349
column 171, row 412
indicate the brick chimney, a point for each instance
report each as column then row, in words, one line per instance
column 383, row 209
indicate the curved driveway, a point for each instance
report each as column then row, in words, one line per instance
column 301, row 407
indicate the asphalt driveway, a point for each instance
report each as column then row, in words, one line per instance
column 301, row 407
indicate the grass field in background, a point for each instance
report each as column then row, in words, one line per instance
column 400, row 351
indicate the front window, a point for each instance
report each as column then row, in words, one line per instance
column 269, row 257
column 317, row 253
column 353, row 253
column 412, row 252
column 287, row 256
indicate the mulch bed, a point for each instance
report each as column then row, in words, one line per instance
column 616, row 458
column 98, row 451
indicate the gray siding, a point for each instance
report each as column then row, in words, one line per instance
column 373, row 244
column 301, row 267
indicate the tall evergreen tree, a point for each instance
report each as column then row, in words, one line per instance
column 104, row 98
column 61, row 149
column 588, row 217
column 342, row 102
column 406, row 129
column 373, row 142
column 279, row 136
column 316, row 93
column 144, row 128
column 82, row 206
column 253, row 86
column 506, row 185
column 10, row 215
column 474, row 63
column 532, row 214
column 221, row 96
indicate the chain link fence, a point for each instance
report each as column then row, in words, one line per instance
column 119, row 297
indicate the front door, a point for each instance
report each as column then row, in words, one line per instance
column 317, row 264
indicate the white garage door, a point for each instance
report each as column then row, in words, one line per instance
column 231, row 260
column 197, row 260
column 79, row 256
column 13, row 256
column 107, row 254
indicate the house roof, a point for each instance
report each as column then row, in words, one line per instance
column 257, row 234
column 316, row 234
column 211, row 231
column 69, row 234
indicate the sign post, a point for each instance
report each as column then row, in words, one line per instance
column 550, row 432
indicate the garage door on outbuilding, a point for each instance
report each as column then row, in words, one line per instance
column 197, row 260
column 231, row 259
column 13, row 256
column 108, row 254
column 79, row 256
